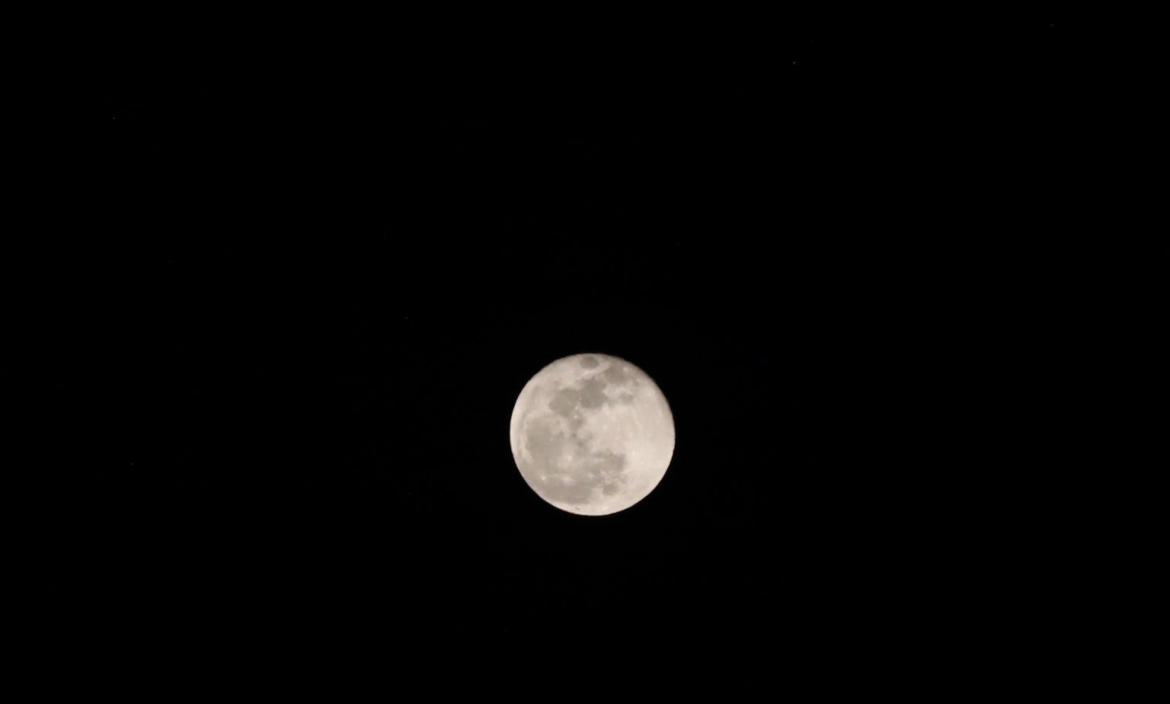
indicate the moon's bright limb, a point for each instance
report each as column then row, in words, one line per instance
column 592, row 434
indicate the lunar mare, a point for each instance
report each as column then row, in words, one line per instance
column 592, row 434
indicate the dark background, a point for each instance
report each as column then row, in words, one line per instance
column 315, row 264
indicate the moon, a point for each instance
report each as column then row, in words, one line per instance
column 592, row 434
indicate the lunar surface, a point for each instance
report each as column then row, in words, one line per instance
column 592, row 434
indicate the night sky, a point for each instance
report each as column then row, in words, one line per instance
column 316, row 265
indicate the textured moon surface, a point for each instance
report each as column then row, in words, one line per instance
column 592, row 434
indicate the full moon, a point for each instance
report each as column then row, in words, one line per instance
column 592, row 434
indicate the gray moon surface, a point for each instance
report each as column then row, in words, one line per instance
column 592, row 434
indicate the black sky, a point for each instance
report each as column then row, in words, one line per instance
column 316, row 264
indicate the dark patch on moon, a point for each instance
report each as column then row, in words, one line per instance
column 617, row 374
column 564, row 402
column 593, row 393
